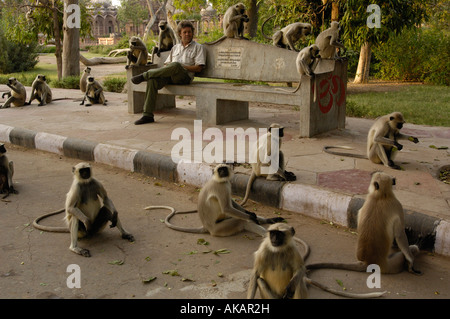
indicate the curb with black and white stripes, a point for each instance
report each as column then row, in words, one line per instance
column 431, row 233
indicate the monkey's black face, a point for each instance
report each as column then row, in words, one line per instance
column 277, row 238
column 223, row 172
column 242, row 11
column 2, row 149
column 399, row 126
column 85, row 173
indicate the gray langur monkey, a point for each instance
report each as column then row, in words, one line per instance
column 166, row 39
column 6, row 174
column 261, row 151
column 220, row 215
column 233, row 23
column 17, row 96
column 85, row 214
column 328, row 41
column 94, row 92
column 306, row 62
column 279, row 269
column 289, row 35
column 83, row 79
column 40, row 91
column 382, row 145
column 380, row 220
column 138, row 54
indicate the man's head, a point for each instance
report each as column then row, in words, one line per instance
column 185, row 30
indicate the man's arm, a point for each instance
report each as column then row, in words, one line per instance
column 194, row 68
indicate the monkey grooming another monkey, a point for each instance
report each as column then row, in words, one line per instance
column 166, row 39
column 328, row 41
column 279, row 270
column 85, row 214
column 261, row 152
column 306, row 62
column 83, row 79
column 380, row 220
column 94, row 92
column 17, row 96
column 382, row 145
column 138, row 54
column 40, row 91
column 233, row 23
column 289, row 35
column 6, row 174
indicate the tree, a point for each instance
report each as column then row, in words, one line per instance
column 23, row 20
column 71, row 43
column 132, row 11
column 395, row 16
column 153, row 16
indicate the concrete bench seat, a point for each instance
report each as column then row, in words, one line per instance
column 220, row 103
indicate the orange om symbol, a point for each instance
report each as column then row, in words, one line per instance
column 327, row 92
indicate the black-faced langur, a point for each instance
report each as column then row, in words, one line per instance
column 328, row 41
column 289, row 35
column 306, row 63
column 382, row 145
column 279, row 269
column 40, row 91
column 6, row 174
column 138, row 54
column 380, row 220
column 233, row 23
column 83, row 79
column 94, row 92
column 220, row 215
column 261, row 159
column 166, row 39
column 17, row 96
column 85, row 213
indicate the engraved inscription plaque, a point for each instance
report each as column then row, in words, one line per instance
column 229, row 58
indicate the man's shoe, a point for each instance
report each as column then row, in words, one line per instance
column 137, row 79
column 145, row 119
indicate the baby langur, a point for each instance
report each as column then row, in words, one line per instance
column 262, row 159
column 289, row 35
column 219, row 213
column 382, row 145
column 83, row 79
column 166, row 39
column 328, row 41
column 233, row 23
column 380, row 220
column 306, row 62
column 6, row 174
column 94, row 92
column 138, row 54
column 17, row 96
column 85, row 214
column 40, row 91
column 279, row 270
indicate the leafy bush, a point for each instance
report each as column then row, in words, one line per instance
column 16, row 56
column 70, row 82
column 416, row 55
column 114, row 84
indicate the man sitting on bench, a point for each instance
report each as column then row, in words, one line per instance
column 185, row 59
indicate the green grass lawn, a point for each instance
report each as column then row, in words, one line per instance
column 420, row 104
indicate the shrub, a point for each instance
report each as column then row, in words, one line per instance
column 114, row 84
column 16, row 56
column 70, row 82
column 425, row 56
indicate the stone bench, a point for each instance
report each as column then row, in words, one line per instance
column 232, row 59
